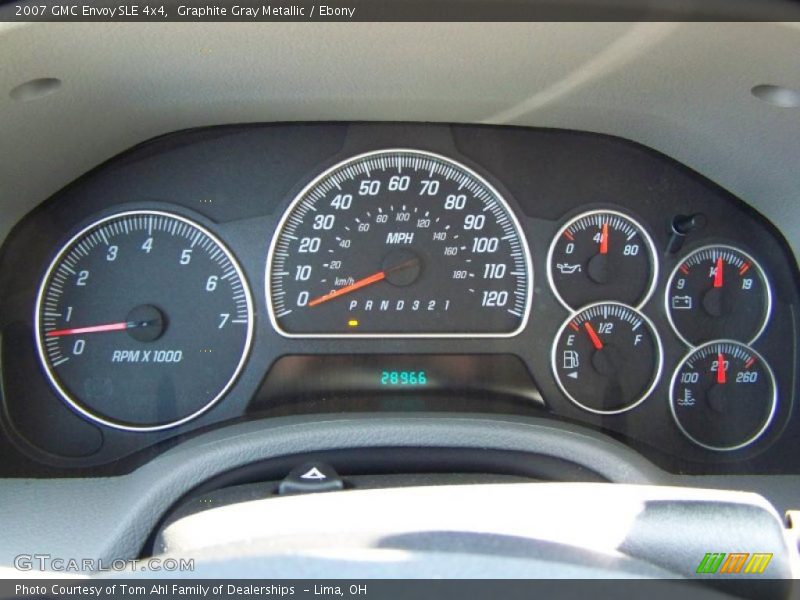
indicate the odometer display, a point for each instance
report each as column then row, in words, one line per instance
column 399, row 243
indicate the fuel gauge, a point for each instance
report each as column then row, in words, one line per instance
column 607, row 358
column 718, row 292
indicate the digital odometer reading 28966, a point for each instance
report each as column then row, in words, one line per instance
column 399, row 243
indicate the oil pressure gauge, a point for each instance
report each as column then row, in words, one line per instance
column 607, row 358
column 602, row 255
column 723, row 395
column 718, row 292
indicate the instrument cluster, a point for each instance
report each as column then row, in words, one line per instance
column 264, row 271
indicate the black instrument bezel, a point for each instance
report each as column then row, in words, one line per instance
column 239, row 179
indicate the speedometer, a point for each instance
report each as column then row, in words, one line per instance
column 399, row 243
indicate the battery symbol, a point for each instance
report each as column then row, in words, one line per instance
column 682, row 302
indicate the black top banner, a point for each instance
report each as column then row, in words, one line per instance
column 397, row 10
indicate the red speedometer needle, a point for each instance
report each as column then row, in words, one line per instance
column 120, row 326
column 720, row 367
column 604, row 240
column 593, row 336
column 718, row 273
column 374, row 278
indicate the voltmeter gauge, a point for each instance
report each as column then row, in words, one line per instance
column 718, row 292
column 607, row 358
column 602, row 255
column 723, row 395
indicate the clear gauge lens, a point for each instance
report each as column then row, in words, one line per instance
column 607, row 358
column 723, row 395
column 399, row 243
column 718, row 292
column 143, row 321
column 602, row 255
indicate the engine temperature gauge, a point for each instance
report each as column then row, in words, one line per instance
column 723, row 395
column 602, row 255
column 607, row 358
column 718, row 292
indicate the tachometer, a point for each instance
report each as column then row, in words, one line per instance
column 143, row 321
column 399, row 243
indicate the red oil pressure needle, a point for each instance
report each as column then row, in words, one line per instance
column 593, row 336
column 604, row 240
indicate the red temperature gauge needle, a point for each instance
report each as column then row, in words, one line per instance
column 120, row 326
column 718, row 273
column 375, row 278
column 604, row 240
column 593, row 336
column 720, row 367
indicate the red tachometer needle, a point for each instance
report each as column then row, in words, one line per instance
column 604, row 240
column 718, row 273
column 720, row 367
column 120, row 326
column 593, row 336
column 374, row 278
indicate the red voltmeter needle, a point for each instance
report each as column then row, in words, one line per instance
column 720, row 367
column 718, row 273
column 375, row 278
column 120, row 326
column 593, row 336
column 604, row 240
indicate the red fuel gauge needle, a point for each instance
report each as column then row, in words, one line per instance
column 120, row 326
column 604, row 240
column 720, row 367
column 361, row 283
column 593, row 336
column 718, row 273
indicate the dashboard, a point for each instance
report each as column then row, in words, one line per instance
column 248, row 272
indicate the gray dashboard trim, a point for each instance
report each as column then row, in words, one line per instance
column 108, row 518
column 666, row 527
column 680, row 88
column 111, row 517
